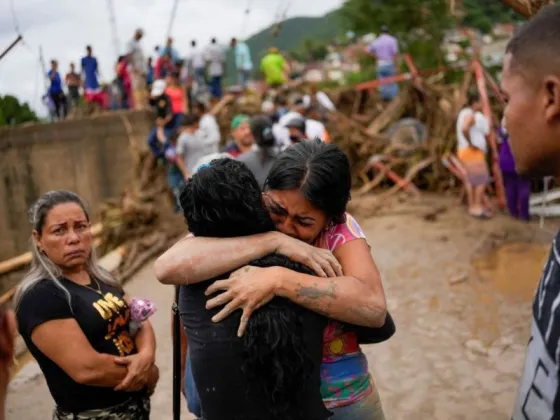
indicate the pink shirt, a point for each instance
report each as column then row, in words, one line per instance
column 344, row 370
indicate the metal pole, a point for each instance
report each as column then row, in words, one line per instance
column 113, row 23
column 12, row 45
column 43, row 67
column 172, row 18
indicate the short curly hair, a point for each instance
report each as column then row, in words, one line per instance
column 224, row 200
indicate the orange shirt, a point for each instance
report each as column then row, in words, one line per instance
column 178, row 98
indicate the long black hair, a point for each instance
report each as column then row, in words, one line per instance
column 223, row 199
column 320, row 171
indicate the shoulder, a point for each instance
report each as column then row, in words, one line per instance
column 43, row 302
column 341, row 234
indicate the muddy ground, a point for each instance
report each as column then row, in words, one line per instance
column 459, row 290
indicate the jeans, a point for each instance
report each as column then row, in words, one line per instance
column 200, row 76
column 216, row 86
column 388, row 91
column 176, row 183
column 193, row 400
column 518, row 191
column 243, row 78
column 367, row 409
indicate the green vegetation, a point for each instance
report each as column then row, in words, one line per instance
column 483, row 15
column 13, row 112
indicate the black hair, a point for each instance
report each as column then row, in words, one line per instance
column 472, row 98
column 280, row 100
column 200, row 106
column 320, row 171
column 88, row 47
column 224, row 200
column 535, row 45
column 193, row 43
column 213, row 40
column 188, row 120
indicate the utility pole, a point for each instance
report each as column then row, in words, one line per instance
column 43, row 67
column 113, row 24
column 12, row 45
column 172, row 18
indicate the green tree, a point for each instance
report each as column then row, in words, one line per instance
column 14, row 112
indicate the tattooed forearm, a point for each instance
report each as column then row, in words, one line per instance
column 351, row 303
column 317, row 292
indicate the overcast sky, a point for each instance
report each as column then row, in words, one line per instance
column 64, row 27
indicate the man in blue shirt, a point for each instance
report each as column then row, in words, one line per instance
column 243, row 62
column 90, row 70
column 55, row 91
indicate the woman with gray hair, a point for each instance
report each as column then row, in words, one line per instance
column 74, row 317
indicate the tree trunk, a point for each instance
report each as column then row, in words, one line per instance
column 527, row 8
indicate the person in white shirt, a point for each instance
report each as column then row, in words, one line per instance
column 198, row 64
column 215, row 57
column 209, row 131
column 313, row 128
column 137, row 69
column 472, row 129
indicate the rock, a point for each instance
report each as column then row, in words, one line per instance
column 476, row 347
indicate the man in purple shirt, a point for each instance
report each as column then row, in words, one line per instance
column 385, row 50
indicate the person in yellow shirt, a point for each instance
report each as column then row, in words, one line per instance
column 274, row 68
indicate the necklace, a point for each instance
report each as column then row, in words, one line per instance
column 98, row 290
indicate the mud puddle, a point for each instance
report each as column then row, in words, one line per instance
column 513, row 270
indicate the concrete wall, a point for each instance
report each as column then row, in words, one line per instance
column 88, row 156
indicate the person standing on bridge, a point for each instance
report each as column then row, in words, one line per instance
column 75, row 320
column 137, row 68
column 56, row 93
column 385, row 50
column 243, row 61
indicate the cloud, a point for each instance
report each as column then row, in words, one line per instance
column 63, row 28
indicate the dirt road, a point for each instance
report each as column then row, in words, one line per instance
column 459, row 290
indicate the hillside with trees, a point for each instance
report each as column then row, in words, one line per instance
column 306, row 38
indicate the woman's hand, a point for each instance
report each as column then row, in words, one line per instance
column 139, row 370
column 322, row 261
column 248, row 289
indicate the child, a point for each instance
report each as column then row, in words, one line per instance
column 175, row 177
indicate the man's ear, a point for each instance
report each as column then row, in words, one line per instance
column 552, row 98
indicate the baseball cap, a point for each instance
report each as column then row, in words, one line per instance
column 238, row 120
column 297, row 123
column 158, row 88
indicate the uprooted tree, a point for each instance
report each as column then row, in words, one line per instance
column 527, row 8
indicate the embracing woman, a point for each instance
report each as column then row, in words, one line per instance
column 75, row 320
column 306, row 192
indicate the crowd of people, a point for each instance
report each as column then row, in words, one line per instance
column 277, row 285
column 199, row 72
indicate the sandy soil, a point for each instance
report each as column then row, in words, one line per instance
column 459, row 290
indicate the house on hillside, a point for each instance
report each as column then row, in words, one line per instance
column 503, row 30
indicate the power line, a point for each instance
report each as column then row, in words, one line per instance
column 14, row 17
column 245, row 18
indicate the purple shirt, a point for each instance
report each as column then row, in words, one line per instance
column 385, row 47
column 507, row 164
